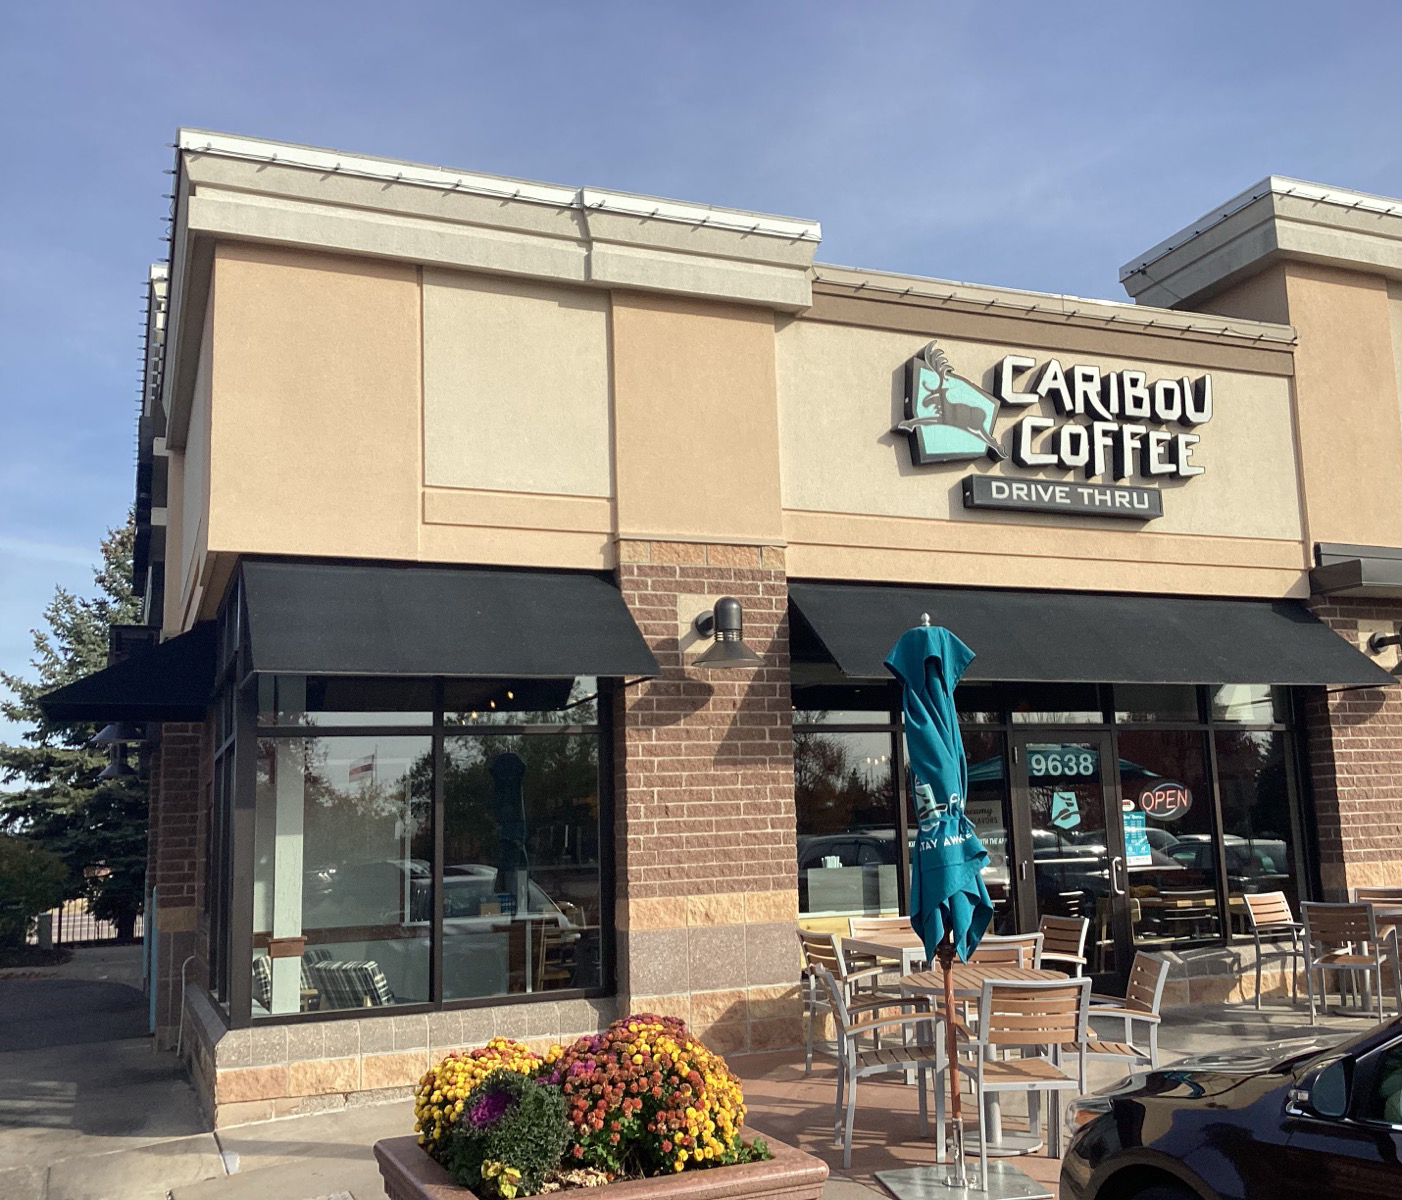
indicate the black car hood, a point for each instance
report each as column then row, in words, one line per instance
column 1246, row 1071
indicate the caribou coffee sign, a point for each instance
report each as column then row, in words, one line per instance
column 1104, row 425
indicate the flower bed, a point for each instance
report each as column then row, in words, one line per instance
column 642, row 1107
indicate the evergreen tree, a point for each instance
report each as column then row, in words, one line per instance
column 98, row 827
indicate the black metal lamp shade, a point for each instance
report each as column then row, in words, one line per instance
column 726, row 623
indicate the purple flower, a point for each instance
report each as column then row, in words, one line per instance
column 488, row 1110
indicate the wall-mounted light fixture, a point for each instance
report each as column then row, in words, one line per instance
column 726, row 624
column 118, row 768
column 1378, row 642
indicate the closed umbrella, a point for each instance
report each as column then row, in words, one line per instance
column 949, row 904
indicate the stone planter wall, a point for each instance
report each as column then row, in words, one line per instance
column 319, row 1066
column 410, row 1174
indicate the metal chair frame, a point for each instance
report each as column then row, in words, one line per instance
column 1269, row 918
column 921, row 1055
column 1344, row 938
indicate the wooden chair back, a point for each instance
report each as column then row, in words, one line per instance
column 1043, row 1013
column 1064, row 936
column 875, row 926
column 1264, row 909
column 1147, row 976
column 990, row 951
column 836, row 1000
column 997, row 947
column 1334, row 926
column 1377, row 895
column 821, row 952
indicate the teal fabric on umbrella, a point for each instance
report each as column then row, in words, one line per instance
column 947, row 892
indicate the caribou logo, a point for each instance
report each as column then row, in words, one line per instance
column 947, row 418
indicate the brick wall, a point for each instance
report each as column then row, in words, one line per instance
column 707, row 863
column 177, row 786
column 1354, row 743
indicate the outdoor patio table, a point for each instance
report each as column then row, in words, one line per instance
column 903, row 944
column 968, row 979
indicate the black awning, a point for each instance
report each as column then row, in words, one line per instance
column 1364, row 571
column 373, row 619
column 167, row 681
column 1087, row 637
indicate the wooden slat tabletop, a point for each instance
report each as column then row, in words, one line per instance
column 969, row 978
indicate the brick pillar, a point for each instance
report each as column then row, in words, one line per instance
column 1354, row 743
column 707, row 859
column 175, row 846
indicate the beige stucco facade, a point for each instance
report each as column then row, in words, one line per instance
column 527, row 412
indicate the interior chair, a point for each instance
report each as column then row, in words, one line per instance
column 1046, row 1021
column 1138, row 1006
column 918, row 1051
column 1064, row 943
column 823, row 952
column 347, row 984
column 1344, row 938
column 1269, row 919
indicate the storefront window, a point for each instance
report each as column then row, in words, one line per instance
column 521, row 875
column 1055, row 704
column 1139, row 702
column 343, row 876
column 1249, row 704
column 984, row 804
column 1261, row 848
column 845, row 798
column 337, row 700
column 1170, row 848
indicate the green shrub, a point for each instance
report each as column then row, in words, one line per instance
column 511, row 1132
column 32, row 881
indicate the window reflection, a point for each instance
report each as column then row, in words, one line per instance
column 521, row 882
column 984, row 804
column 1169, row 846
column 342, row 882
column 1260, row 840
column 844, row 795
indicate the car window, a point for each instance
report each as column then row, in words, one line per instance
column 1187, row 855
column 1384, row 1099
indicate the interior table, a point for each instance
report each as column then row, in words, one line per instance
column 968, row 980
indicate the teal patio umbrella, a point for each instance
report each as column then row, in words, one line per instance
column 949, row 904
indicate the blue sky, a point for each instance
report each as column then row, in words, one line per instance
column 1030, row 145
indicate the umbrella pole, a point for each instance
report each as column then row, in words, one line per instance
column 945, row 953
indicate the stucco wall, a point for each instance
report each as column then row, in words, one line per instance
column 856, row 507
column 315, row 436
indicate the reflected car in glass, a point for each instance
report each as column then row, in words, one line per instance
column 1254, row 865
column 1290, row 1121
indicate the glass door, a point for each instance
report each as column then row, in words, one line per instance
column 1071, row 842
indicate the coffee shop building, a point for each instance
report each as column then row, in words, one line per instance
column 443, row 478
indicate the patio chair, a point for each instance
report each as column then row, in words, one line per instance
column 1344, row 938
column 1269, row 918
column 919, row 1052
column 1139, row 1005
column 1018, row 949
column 1044, row 1020
column 1064, row 941
column 822, row 951
column 1377, row 895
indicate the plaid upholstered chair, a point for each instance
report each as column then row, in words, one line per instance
column 263, row 976
column 351, row 984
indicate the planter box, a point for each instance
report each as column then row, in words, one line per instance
column 410, row 1174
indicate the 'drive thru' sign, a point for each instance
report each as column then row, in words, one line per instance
column 1085, row 499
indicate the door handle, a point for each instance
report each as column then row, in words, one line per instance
column 1117, row 865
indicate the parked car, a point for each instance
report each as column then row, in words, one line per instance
column 1296, row 1121
column 1258, row 865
